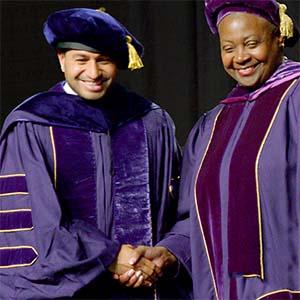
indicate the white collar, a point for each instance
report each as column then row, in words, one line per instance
column 68, row 89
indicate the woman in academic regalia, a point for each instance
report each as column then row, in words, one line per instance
column 241, row 167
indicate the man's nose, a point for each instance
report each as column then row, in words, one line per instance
column 93, row 70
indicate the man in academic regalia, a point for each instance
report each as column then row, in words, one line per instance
column 85, row 177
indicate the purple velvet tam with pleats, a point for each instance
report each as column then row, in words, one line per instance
column 215, row 10
column 93, row 28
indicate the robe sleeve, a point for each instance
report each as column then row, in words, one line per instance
column 177, row 240
column 41, row 255
column 165, row 163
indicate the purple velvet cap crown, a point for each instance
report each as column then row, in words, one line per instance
column 215, row 10
column 95, row 29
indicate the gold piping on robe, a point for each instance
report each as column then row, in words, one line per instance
column 196, row 203
column 12, row 175
column 54, row 157
column 20, row 265
column 15, row 229
column 13, row 193
column 277, row 292
column 257, row 182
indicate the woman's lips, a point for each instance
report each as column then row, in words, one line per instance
column 248, row 71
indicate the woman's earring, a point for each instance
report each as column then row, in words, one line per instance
column 282, row 44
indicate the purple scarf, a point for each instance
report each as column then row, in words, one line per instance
column 287, row 71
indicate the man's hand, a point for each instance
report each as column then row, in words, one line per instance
column 121, row 263
column 132, row 275
column 160, row 256
column 141, row 266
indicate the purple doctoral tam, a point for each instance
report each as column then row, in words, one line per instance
column 91, row 30
column 216, row 10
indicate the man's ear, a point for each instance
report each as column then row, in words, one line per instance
column 61, row 59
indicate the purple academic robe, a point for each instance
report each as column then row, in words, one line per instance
column 78, row 179
column 241, row 174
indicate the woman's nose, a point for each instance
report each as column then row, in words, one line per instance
column 241, row 56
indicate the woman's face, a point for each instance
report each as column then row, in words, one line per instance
column 250, row 49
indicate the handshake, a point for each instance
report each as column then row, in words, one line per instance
column 141, row 266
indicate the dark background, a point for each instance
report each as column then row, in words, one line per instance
column 183, row 71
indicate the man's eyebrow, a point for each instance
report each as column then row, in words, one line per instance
column 80, row 55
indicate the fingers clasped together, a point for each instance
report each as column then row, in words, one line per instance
column 141, row 266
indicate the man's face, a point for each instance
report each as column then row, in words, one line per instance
column 89, row 74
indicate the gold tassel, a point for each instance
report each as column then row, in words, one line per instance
column 135, row 61
column 101, row 9
column 286, row 23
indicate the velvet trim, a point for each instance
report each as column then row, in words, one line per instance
column 92, row 28
column 12, row 185
column 76, row 169
column 131, row 192
column 15, row 220
column 267, row 8
column 76, row 180
column 19, row 256
column 56, row 108
column 250, row 10
column 245, row 248
column 208, row 191
column 235, row 99
column 233, row 289
column 60, row 109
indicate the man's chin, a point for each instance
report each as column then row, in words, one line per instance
column 93, row 96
